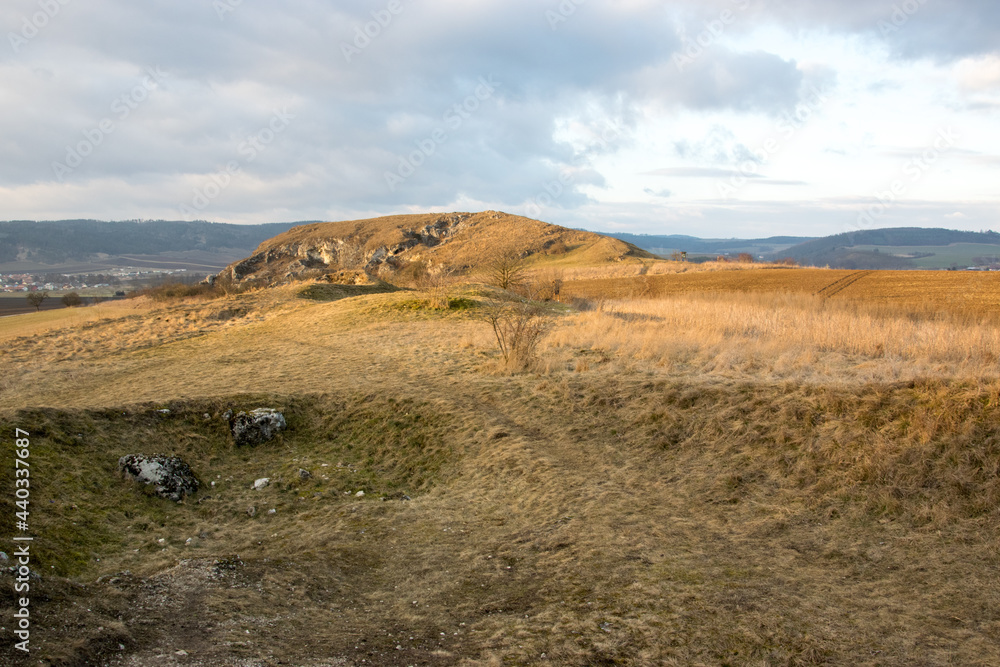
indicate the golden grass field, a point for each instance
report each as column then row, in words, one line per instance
column 758, row 466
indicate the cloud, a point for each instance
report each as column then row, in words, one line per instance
column 365, row 87
column 698, row 172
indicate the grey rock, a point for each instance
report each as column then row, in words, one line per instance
column 304, row 474
column 255, row 427
column 261, row 483
column 169, row 476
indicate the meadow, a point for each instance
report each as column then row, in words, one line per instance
column 721, row 466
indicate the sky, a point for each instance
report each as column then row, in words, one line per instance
column 715, row 118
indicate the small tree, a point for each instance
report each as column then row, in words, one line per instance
column 71, row 299
column 504, row 266
column 36, row 299
column 745, row 258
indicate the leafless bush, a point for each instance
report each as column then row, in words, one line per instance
column 548, row 285
column 518, row 325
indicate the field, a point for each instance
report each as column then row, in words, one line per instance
column 714, row 466
column 954, row 254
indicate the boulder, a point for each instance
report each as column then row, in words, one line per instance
column 255, row 427
column 169, row 476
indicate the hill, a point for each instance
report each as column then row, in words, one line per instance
column 899, row 248
column 82, row 245
column 461, row 242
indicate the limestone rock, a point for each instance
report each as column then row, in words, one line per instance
column 261, row 483
column 169, row 476
column 255, row 427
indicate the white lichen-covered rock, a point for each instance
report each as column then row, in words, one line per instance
column 261, row 483
column 255, row 427
column 169, row 476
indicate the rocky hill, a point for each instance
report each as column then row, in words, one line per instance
column 383, row 246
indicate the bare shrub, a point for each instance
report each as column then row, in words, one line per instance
column 179, row 290
column 518, row 326
column 434, row 280
column 548, row 285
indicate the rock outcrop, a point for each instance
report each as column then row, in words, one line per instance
column 291, row 257
column 169, row 476
column 255, row 427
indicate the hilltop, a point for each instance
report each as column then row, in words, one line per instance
column 455, row 242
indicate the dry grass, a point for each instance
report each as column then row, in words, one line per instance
column 31, row 324
column 636, row 267
column 727, row 479
column 785, row 337
column 974, row 293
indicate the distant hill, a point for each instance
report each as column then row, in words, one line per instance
column 30, row 245
column 666, row 244
column 899, row 248
column 456, row 241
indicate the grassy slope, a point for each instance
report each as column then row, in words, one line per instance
column 618, row 515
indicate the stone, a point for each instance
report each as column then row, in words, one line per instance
column 169, row 476
column 255, row 427
column 272, row 511
column 304, row 474
column 261, row 483
column 359, row 494
column 252, row 511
